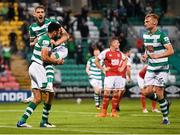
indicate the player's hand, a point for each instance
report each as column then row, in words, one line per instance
column 144, row 58
column 32, row 44
column 53, row 42
column 60, row 62
column 128, row 80
column 105, row 69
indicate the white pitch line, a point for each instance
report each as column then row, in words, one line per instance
column 60, row 129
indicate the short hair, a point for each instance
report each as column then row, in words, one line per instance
column 40, row 6
column 53, row 26
column 96, row 49
column 153, row 15
column 112, row 39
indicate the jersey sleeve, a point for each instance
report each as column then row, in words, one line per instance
column 88, row 62
column 165, row 39
column 123, row 56
column 31, row 32
column 128, row 62
column 102, row 55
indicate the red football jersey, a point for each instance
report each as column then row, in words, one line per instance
column 143, row 72
column 112, row 59
column 123, row 73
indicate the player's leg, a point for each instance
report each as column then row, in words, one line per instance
column 143, row 103
column 97, row 86
column 108, row 85
column 164, row 104
column 159, row 82
column 154, row 108
column 48, row 98
column 148, row 90
column 30, row 108
column 97, row 97
column 120, row 96
column 115, row 97
column 36, row 74
column 121, row 91
column 27, row 100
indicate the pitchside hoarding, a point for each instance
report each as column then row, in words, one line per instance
column 13, row 95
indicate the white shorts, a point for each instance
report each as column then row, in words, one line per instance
column 123, row 82
column 113, row 82
column 96, row 83
column 38, row 77
column 60, row 52
column 156, row 79
column 140, row 82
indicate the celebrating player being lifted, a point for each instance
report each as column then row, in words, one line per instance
column 39, row 28
column 158, row 49
column 39, row 78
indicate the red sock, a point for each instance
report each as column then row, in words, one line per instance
column 105, row 102
column 114, row 103
column 143, row 102
column 153, row 105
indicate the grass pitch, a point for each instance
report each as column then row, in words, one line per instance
column 73, row 118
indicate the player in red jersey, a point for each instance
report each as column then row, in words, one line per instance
column 140, row 79
column 115, row 63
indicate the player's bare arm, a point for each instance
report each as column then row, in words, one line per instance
column 64, row 37
column 169, row 51
column 33, row 41
column 48, row 59
column 123, row 65
column 144, row 57
column 87, row 69
column 97, row 63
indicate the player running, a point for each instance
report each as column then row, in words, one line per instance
column 158, row 49
column 140, row 79
column 95, row 77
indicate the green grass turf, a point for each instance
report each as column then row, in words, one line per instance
column 73, row 118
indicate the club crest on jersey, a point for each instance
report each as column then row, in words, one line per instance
column 110, row 55
column 45, row 42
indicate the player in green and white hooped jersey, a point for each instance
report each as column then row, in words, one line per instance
column 38, row 77
column 158, row 49
column 39, row 28
column 95, row 78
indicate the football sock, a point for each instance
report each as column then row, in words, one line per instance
column 97, row 99
column 153, row 105
column 29, row 110
column 163, row 105
column 105, row 103
column 143, row 101
column 45, row 113
column 114, row 103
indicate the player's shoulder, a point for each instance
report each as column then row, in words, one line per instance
column 106, row 50
column 44, row 39
column 33, row 25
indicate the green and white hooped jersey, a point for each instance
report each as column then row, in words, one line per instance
column 95, row 73
column 36, row 30
column 43, row 42
column 155, row 44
